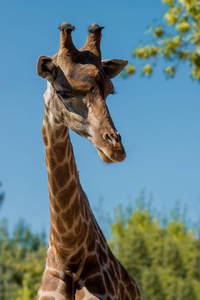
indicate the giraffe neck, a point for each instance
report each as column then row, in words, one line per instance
column 64, row 187
column 78, row 255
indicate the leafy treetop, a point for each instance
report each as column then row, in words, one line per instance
column 176, row 39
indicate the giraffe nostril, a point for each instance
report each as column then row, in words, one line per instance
column 118, row 139
column 107, row 137
column 112, row 138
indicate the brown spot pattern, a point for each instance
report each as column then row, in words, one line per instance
column 95, row 285
column 54, row 232
column 60, row 226
column 45, row 140
column 91, row 265
column 61, row 174
column 54, row 205
column 77, row 228
column 60, row 152
column 109, row 284
column 64, row 196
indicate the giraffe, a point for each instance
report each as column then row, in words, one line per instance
column 79, row 264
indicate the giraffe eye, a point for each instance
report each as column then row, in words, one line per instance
column 63, row 94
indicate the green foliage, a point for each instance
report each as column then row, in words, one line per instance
column 175, row 39
column 161, row 253
column 22, row 262
column 163, row 260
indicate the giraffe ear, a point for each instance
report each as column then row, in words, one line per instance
column 112, row 67
column 46, row 68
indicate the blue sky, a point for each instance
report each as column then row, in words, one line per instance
column 158, row 119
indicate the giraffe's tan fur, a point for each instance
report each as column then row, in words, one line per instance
column 79, row 263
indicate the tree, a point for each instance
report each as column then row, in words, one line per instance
column 163, row 260
column 162, row 255
column 22, row 262
column 176, row 39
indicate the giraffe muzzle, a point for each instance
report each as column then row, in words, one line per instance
column 111, row 150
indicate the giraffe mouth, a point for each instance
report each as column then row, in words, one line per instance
column 116, row 156
column 104, row 157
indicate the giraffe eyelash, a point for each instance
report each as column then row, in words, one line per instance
column 63, row 95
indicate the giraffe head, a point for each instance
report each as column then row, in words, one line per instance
column 79, row 85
